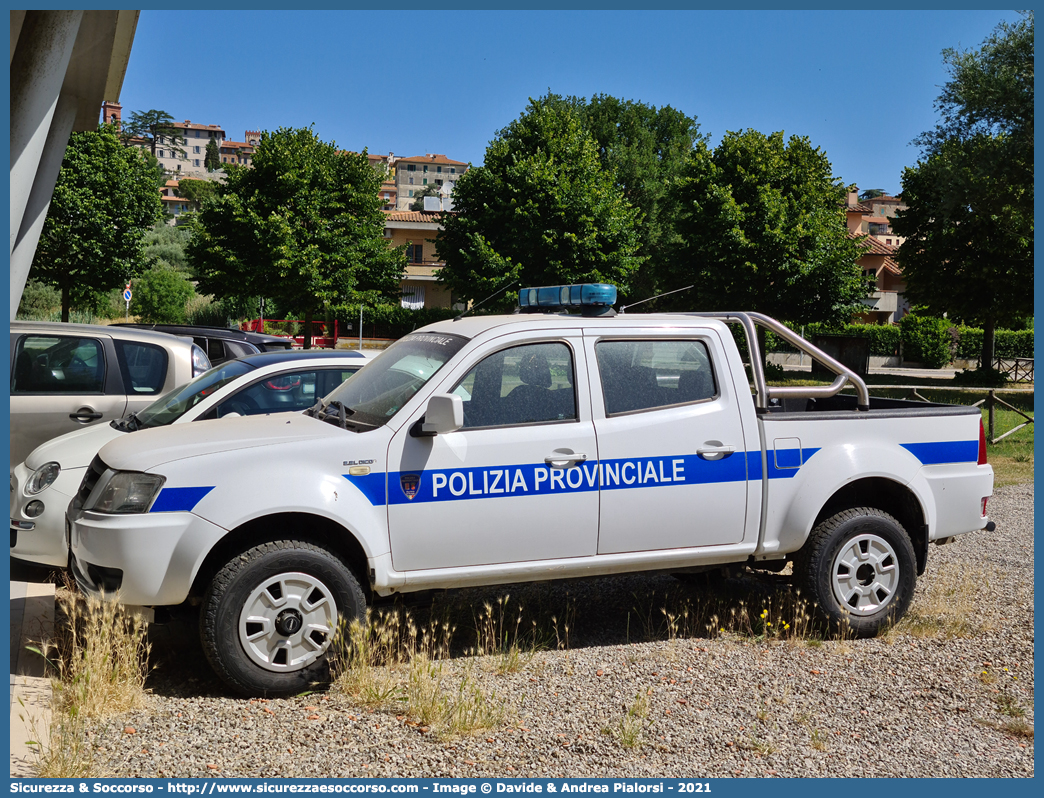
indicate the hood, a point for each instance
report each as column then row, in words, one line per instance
column 74, row 449
column 150, row 448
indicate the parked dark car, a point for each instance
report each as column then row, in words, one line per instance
column 221, row 343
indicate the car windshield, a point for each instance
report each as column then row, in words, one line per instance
column 377, row 392
column 172, row 406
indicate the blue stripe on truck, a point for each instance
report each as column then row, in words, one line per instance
column 172, row 500
column 939, row 452
column 537, row 479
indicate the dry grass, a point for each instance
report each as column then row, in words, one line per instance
column 387, row 661
column 947, row 607
column 100, row 658
column 449, row 713
column 629, row 730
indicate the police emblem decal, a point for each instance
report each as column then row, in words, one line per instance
column 410, row 484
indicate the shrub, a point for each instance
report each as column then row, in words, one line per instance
column 927, row 340
column 1007, row 343
column 39, row 301
column 160, row 296
column 391, row 321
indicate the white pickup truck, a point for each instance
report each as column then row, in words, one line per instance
column 539, row 445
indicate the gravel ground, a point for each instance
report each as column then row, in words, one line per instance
column 948, row 693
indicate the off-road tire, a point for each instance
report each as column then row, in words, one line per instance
column 859, row 567
column 287, row 594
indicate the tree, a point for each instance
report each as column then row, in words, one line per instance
column 968, row 225
column 762, row 229
column 212, row 160
column 105, row 200
column 646, row 148
column 303, row 226
column 160, row 296
column 430, row 190
column 196, row 190
column 872, row 193
column 156, row 128
column 541, row 211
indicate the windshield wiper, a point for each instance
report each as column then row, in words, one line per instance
column 335, row 412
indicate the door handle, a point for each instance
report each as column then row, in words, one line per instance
column 85, row 414
column 564, row 458
column 714, row 450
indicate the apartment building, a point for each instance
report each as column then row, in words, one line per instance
column 416, row 230
column 870, row 220
column 241, row 152
column 413, row 174
column 385, row 166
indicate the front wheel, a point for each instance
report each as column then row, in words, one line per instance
column 860, row 569
column 270, row 615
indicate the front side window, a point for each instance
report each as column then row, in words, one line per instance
column 644, row 375
column 528, row 384
column 58, row 364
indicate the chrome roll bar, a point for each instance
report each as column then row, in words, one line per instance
column 764, row 393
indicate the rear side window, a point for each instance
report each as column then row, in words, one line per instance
column 213, row 347
column 143, row 366
column 644, row 375
column 58, row 364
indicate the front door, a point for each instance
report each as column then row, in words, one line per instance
column 518, row 482
column 59, row 384
column 671, row 446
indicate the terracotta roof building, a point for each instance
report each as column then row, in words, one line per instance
column 416, row 230
column 413, row 174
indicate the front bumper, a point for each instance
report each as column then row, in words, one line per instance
column 42, row 539
column 150, row 558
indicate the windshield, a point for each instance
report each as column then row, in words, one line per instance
column 376, row 393
column 172, row 406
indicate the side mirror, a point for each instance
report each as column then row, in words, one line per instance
column 445, row 413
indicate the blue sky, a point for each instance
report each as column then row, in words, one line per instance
column 859, row 84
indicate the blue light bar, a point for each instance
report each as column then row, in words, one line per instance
column 589, row 295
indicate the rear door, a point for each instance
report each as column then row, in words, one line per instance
column 60, row 383
column 671, row 448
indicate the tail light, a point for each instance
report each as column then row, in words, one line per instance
column 984, row 500
column 982, row 444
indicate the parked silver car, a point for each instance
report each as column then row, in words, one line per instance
column 68, row 376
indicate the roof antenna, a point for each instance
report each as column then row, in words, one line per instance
column 484, row 301
column 650, row 299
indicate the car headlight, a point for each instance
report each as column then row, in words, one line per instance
column 127, row 492
column 42, row 478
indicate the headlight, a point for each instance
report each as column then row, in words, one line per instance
column 42, row 478
column 127, row 492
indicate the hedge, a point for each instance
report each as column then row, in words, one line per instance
column 389, row 321
column 934, row 342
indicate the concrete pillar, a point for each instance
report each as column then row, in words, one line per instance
column 38, row 69
column 39, row 200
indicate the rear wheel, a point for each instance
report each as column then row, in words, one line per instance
column 270, row 615
column 860, row 569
